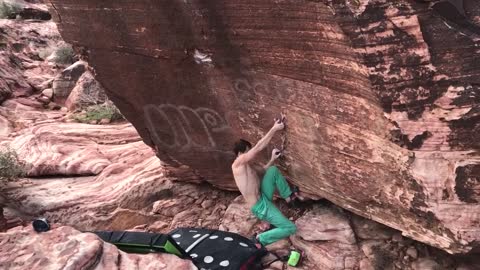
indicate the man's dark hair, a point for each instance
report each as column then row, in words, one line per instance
column 241, row 146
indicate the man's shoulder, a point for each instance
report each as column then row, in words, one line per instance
column 239, row 165
column 237, row 162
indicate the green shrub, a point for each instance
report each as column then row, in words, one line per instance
column 64, row 55
column 9, row 9
column 98, row 112
column 10, row 167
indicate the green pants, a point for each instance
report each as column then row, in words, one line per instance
column 264, row 209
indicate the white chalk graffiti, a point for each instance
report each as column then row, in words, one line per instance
column 181, row 127
column 246, row 88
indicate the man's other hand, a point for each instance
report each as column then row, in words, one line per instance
column 276, row 153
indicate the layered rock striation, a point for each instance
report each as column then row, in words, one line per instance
column 66, row 248
column 381, row 97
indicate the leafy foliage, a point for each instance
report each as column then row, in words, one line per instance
column 64, row 55
column 10, row 167
column 9, row 9
column 106, row 110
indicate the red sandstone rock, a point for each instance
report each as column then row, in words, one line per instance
column 325, row 224
column 67, row 248
column 238, row 218
column 20, row 9
column 21, row 68
column 123, row 195
column 381, row 97
column 334, row 256
column 42, row 149
column 64, row 82
column 132, row 187
column 86, row 92
column 368, row 229
column 3, row 222
column 134, row 192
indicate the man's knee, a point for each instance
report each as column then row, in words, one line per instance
column 292, row 228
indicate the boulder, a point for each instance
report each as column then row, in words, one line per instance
column 86, row 92
column 64, row 82
column 325, row 224
column 104, row 121
column 66, row 248
column 329, row 255
column 381, row 97
column 48, row 93
column 238, row 218
column 324, row 233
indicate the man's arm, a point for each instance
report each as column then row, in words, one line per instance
column 261, row 144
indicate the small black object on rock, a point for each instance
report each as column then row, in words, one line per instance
column 41, row 225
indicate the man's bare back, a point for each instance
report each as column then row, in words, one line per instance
column 247, row 182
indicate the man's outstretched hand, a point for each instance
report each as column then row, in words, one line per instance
column 279, row 123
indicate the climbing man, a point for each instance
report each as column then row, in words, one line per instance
column 259, row 195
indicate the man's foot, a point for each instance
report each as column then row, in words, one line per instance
column 257, row 242
column 294, row 197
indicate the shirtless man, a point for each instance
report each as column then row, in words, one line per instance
column 259, row 195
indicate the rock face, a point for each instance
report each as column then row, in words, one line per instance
column 22, row 70
column 126, row 187
column 326, row 231
column 324, row 224
column 382, row 97
column 86, row 92
column 67, row 248
column 64, row 82
column 301, row 72
column 12, row 9
column 3, row 222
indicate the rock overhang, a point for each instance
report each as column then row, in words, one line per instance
column 194, row 76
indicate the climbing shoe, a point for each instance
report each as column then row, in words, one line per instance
column 294, row 199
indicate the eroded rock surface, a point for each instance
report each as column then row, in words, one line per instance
column 86, row 92
column 64, row 82
column 23, row 44
column 381, row 97
column 375, row 246
column 104, row 177
column 128, row 185
column 324, row 224
column 67, row 248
